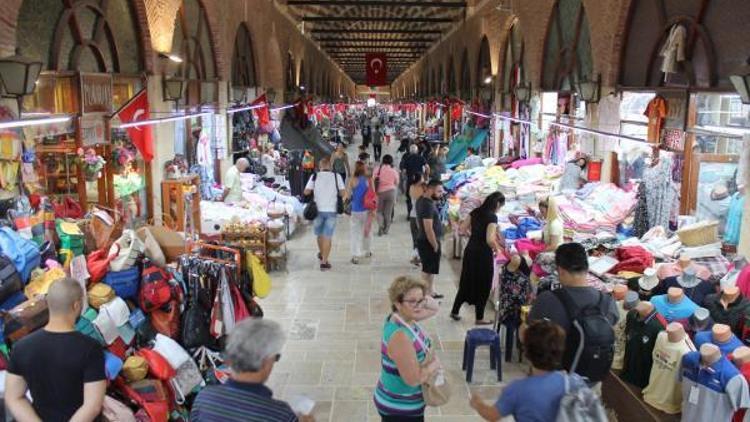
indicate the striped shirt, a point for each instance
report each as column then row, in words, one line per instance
column 239, row 401
column 393, row 396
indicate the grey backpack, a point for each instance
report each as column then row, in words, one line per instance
column 580, row 403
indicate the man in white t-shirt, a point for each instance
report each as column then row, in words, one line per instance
column 325, row 186
column 232, row 183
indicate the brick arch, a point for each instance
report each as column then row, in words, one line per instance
column 9, row 26
column 273, row 74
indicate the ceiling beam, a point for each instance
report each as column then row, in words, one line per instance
column 329, row 46
column 349, row 39
column 375, row 19
column 374, row 31
column 384, row 3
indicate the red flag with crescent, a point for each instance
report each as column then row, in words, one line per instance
column 377, row 69
column 137, row 109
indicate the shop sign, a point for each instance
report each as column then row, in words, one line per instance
column 677, row 105
column 96, row 93
column 93, row 130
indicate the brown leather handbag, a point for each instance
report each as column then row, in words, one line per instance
column 24, row 319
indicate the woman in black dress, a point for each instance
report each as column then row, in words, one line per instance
column 478, row 264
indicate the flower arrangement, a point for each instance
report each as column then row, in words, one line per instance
column 122, row 157
column 91, row 162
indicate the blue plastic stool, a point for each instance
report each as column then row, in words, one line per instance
column 512, row 336
column 482, row 337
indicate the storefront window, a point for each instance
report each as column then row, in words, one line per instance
column 721, row 121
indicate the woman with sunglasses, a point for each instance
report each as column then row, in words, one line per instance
column 398, row 395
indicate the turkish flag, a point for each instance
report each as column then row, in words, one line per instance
column 377, row 69
column 262, row 112
column 137, row 109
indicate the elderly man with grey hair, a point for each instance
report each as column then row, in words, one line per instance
column 253, row 348
column 232, row 183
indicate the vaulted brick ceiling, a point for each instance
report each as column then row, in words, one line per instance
column 402, row 29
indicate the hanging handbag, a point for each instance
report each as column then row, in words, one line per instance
column 241, row 310
column 195, row 322
column 186, row 380
column 155, row 290
column 172, row 351
column 128, row 248
column 24, row 319
column 261, row 280
column 436, row 390
column 158, row 366
column 311, row 210
column 167, row 321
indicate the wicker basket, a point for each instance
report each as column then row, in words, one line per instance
column 699, row 234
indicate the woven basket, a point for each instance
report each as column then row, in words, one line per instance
column 699, row 234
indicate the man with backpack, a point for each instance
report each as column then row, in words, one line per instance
column 586, row 314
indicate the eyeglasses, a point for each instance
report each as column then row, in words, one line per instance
column 277, row 357
column 414, row 303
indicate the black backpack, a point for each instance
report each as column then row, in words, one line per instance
column 590, row 342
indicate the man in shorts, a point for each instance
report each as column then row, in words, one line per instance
column 430, row 233
column 325, row 186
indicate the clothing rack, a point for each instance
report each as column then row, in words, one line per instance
column 200, row 246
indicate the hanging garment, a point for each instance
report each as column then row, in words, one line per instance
column 640, row 337
column 640, row 221
column 734, row 219
column 656, row 111
column 673, row 51
column 660, row 192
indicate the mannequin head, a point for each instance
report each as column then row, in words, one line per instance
column 684, row 261
column 675, row 294
column 741, row 355
column 675, row 332
column 710, row 353
column 730, row 292
column 644, row 309
column 619, row 292
column 721, row 333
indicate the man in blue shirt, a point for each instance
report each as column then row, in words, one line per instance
column 537, row 397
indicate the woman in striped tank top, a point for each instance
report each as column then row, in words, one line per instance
column 398, row 395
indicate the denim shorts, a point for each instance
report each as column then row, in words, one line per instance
column 325, row 224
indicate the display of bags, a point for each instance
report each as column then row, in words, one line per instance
column 24, row 319
column 85, row 325
column 158, row 366
column 148, row 394
column 128, row 248
column 23, row 252
column 71, row 237
column 112, row 365
column 166, row 320
column 99, row 294
column 135, row 368
column 40, row 285
column 187, row 380
column 10, row 279
column 125, row 283
column 68, row 208
column 151, row 246
column 155, row 289
column 97, row 264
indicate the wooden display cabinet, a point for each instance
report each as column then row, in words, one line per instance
column 181, row 198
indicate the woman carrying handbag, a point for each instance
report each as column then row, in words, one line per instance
column 411, row 376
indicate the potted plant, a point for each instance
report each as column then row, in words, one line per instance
column 91, row 162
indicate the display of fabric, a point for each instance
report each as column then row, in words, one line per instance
column 663, row 390
column 711, row 393
column 640, row 337
column 632, row 258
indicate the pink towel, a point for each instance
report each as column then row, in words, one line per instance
column 527, row 162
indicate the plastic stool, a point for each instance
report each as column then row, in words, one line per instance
column 482, row 337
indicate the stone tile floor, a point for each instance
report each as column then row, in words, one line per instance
column 334, row 323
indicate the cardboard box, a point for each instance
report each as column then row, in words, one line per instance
column 172, row 243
